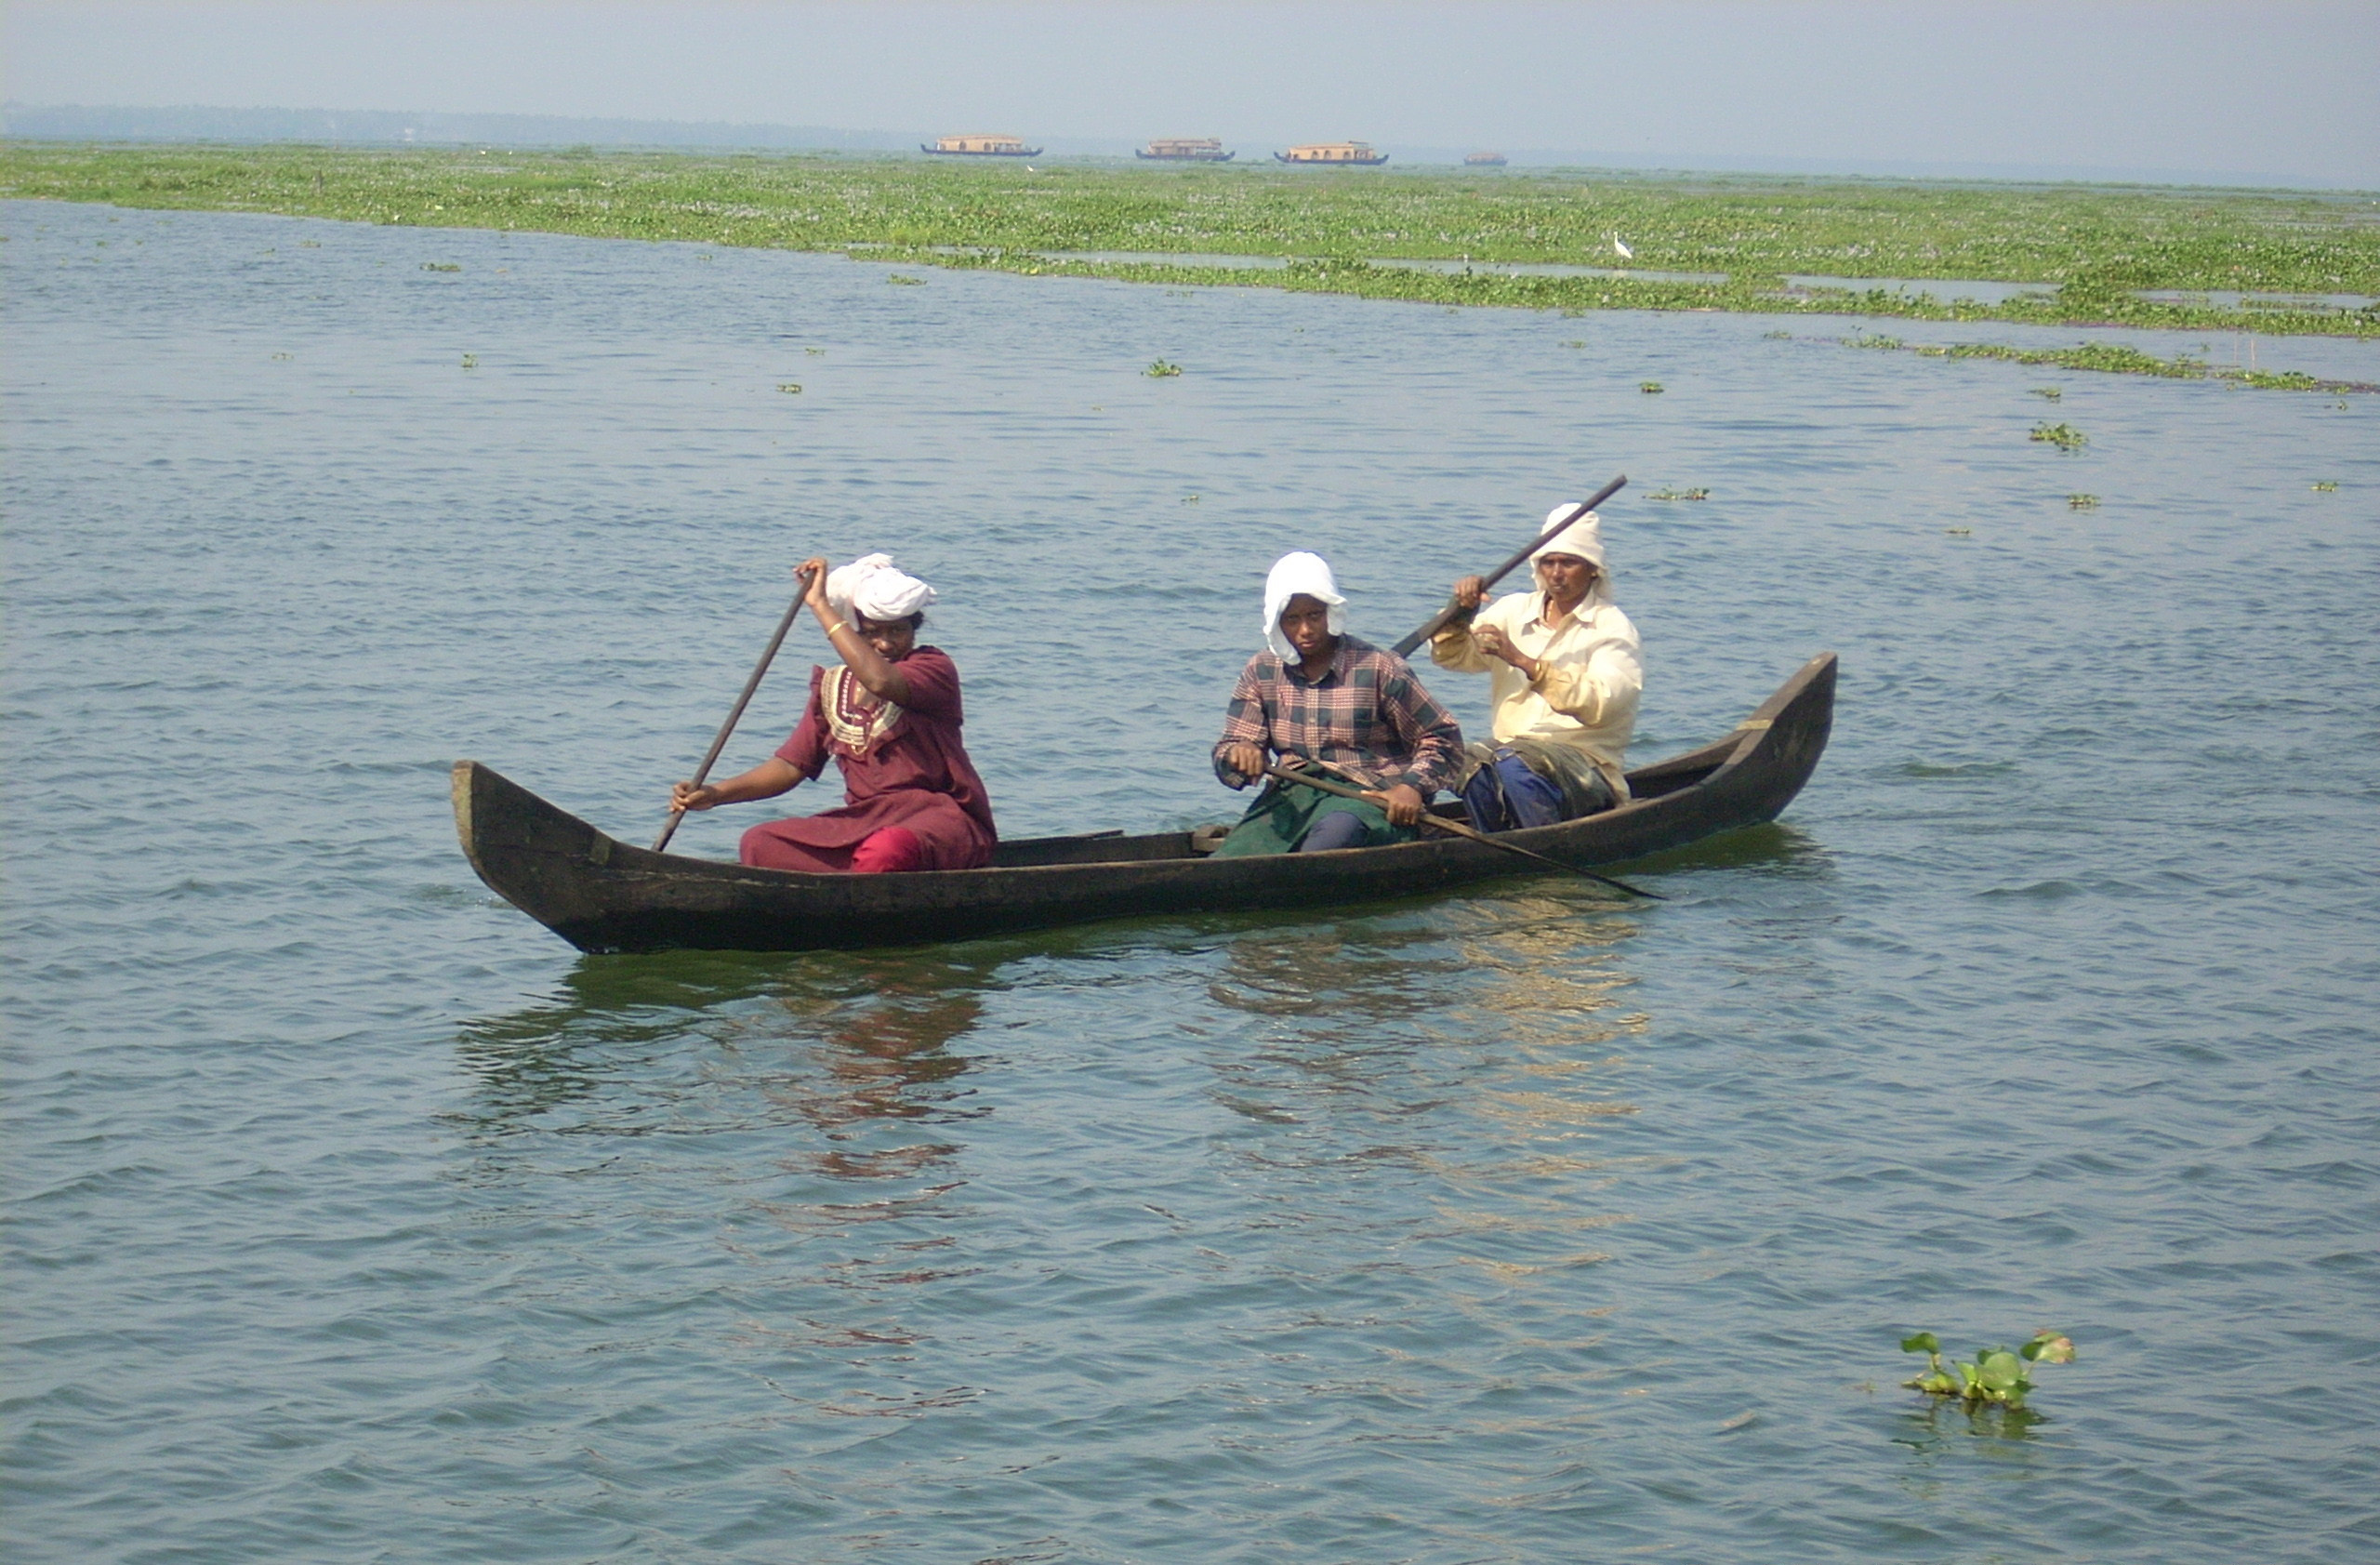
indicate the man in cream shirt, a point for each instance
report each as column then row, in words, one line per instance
column 1565, row 676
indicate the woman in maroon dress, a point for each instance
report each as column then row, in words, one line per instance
column 889, row 717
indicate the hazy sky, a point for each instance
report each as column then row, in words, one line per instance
column 2284, row 87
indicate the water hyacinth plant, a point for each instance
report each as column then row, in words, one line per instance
column 2082, row 502
column 2097, row 256
column 2104, row 358
column 1995, row 1377
column 1161, row 369
column 2066, row 437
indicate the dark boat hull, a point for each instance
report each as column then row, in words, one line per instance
column 993, row 151
column 602, row 895
column 1185, row 157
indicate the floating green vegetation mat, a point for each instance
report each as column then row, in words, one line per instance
column 2100, row 246
column 1994, row 1378
column 2108, row 358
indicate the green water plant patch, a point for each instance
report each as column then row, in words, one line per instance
column 2112, row 358
column 2066, row 437
column 2092, row 250
column 1994, row 1378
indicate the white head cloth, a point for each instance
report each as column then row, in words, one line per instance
column 1293, row 575
column 1582, row 539
column 877, row 589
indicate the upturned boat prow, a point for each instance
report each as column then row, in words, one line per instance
column 602, row 895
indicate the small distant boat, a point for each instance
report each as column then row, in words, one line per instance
column 1186, row 148
column 1485, row 159
column 1333, row 154
column 980, row 146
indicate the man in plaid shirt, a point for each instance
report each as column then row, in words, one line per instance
column 1316, row 697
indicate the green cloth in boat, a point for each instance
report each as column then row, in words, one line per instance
column 1283, row 813
column 1585, row 791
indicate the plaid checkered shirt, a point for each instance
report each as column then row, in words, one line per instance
column 1367, row 718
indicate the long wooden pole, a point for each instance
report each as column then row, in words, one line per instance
column 1445, row 617
column 1453, row 829
column 801, row 579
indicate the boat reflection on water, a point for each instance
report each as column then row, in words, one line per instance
column 691, row 1041
column 1485, row 1037
column 1392, row 1007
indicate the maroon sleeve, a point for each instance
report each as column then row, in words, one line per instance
column 806, row 752
column 933, row 683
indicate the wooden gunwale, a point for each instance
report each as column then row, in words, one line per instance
column 603, row 894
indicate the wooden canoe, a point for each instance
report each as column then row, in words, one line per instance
column 603, row 894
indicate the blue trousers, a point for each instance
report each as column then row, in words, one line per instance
column 1508, row 795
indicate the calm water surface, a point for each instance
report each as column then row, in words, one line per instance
column 352, row 1217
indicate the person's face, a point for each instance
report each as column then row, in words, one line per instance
column 892, row 639
column 1305, row 624
column 1566, row 577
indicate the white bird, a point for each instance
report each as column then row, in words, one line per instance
column 1621, row 251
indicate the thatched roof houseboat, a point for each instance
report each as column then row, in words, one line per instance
column 975, row 145
column 1333, row 154
column 1186, row 148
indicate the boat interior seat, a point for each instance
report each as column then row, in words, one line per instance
column 1091, row 847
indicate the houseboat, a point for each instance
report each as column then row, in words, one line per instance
column 1333, row 154
column 1484, row 160
column 1186, row 148
column 980, row 146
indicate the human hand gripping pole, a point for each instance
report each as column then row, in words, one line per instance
column 801, row 581
column 1455, row 829
column 1446, row 615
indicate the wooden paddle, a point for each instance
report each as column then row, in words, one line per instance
column 1446, row 615
column 801, row 581
column 1452, row 828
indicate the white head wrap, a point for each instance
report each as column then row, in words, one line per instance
column 875, row 588
column 1582, row 539
column 1293, row 575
